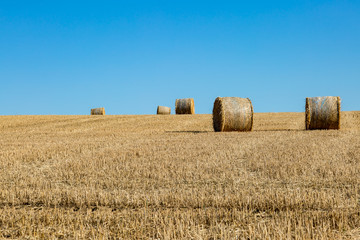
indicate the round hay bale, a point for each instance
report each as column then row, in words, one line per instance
column 232, row 114
column 322, row 113
column 163, row 110
column 97, row 111
column 185, row 106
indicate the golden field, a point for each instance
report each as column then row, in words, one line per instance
column 173, row 177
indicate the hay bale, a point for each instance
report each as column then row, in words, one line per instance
column 322, row 113
column 163, row 110
column 184, row 106
column 232, row 114
column 97, row 111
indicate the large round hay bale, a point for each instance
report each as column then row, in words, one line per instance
column 322, row 113
column 97, row 111
column 163, row 110
column 185, row 106
column 232, row 114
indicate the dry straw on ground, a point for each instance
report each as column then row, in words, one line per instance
column 97, row 111
column 163, row 110
column 322, row 113
column 185, row 106
column 173, row 177
column 232, row 114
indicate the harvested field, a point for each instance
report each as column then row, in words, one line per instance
column 173, row 177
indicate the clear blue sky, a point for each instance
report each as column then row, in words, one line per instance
column 65, row 57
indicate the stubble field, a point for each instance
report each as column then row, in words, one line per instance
column 172, row 177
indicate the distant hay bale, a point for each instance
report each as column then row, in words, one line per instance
column 322, row 113
column 185, row 106
column 97, row 111
column 163, row 110
column 232, row 114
